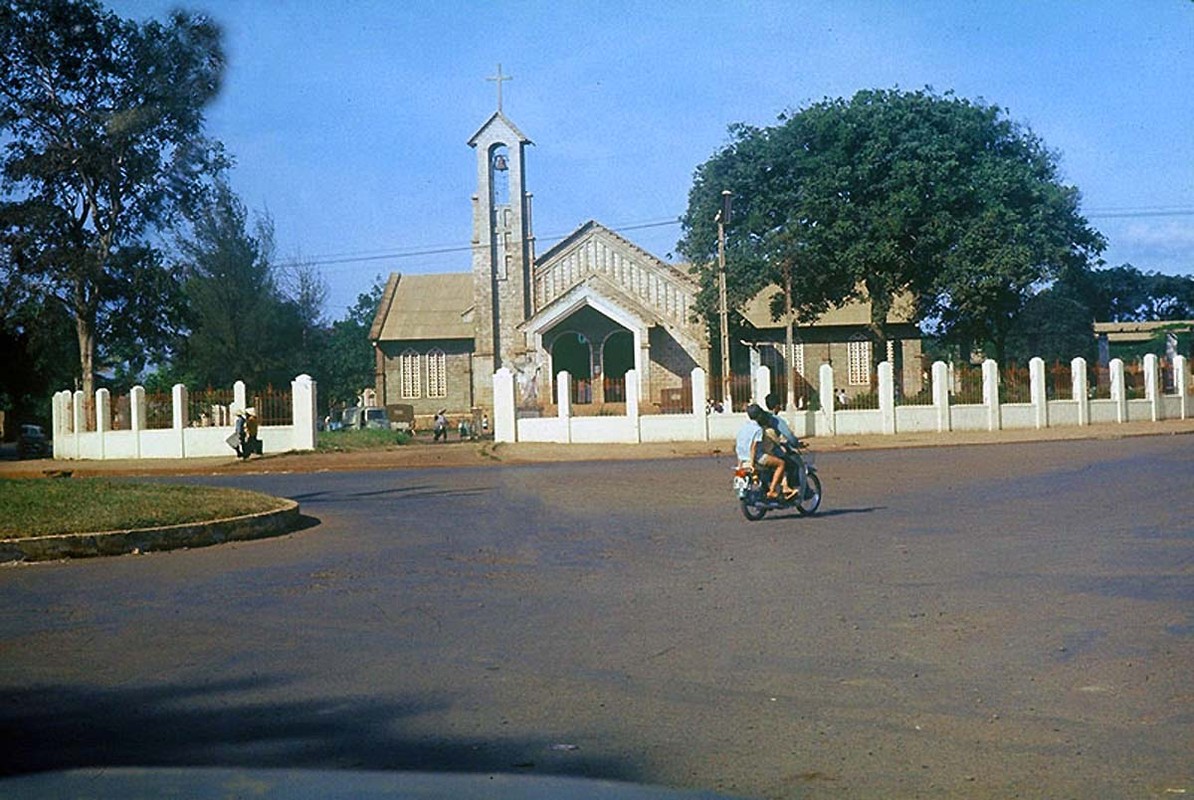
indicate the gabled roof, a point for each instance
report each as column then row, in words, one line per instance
column 757, row 312
column 592, row 226
column 498, row 117
column 433, row 306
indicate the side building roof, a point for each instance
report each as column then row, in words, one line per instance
column 436, row 306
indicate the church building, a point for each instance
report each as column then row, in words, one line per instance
column 594, row 305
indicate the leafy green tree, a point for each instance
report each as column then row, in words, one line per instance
column 102, row 122
column 237, row 324
column 887, row 193
column 1125, row 294
column 346, row 365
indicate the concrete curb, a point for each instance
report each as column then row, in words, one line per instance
column 112, row 543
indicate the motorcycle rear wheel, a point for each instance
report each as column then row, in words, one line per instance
column 811, row 500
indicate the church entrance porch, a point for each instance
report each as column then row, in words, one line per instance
column 596, row 352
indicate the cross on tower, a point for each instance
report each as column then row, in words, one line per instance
column 499, row 78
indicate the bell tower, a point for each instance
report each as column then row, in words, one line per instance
column 503, row 249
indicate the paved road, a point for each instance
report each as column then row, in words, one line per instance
column 984, row 621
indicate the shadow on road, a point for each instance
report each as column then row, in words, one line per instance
column 215, row 724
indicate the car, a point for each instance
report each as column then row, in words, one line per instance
column 33, row 443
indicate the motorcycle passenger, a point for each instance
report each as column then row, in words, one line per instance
column 789, row 452
column 758, row 444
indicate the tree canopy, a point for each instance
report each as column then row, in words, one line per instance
column 103, row 126
column 887, row 193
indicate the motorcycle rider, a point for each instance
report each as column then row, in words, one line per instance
column 758, row 444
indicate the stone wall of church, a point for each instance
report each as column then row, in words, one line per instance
column 671, row 363
column 429, row 393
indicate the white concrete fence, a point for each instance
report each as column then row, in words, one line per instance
column 943, row 414
column 183, row 439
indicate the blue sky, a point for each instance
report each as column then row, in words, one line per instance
column 349, row 120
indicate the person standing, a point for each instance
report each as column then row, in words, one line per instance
column 252, row 443
column 441, row 425
column 240, row 434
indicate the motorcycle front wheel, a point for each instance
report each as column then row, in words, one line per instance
column 753, row 510
column 812, row 495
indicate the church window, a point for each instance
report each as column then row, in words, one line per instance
column 859, row 356
column 437, row 373
column 409, row 377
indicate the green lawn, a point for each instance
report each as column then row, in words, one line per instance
column 42, row 506
column 368, row 439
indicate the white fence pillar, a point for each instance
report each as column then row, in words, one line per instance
column 1119, row 392
column 564, row 402
column 505, row 421
column 304, row 413
column 1180, row 384
column 80, row 415
column 1152, row 386
column 1037, row 392
column 103, row 419
column 1081, row 385
column 700, row 404
column 941, row 395
column 991, row 394
column 238, row 396
column 632, row 403
column 180, row 397
column 828, row 414
column 762, row 384
column 887, row 397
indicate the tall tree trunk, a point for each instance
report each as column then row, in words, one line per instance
column 86, row 337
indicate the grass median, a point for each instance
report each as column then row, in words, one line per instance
column 43, row 506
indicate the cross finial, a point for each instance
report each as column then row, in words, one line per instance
column 498, row 79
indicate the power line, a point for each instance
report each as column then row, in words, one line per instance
column 367, row 256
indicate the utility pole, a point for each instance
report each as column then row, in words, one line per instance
column 723, row 216
column 788, row 348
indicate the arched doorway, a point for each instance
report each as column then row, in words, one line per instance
column 571, row 352
column 617, row 358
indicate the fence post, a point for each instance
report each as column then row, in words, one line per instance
column 762, row 384
column 303, row 412
column 238, row 395
column 700, row 403
column 1179, row 381
column 887, row 396
column 103, row 419
column 1152, row 386
column 58, row 409
column 1119, row 392
column 80, row 417
column 631, row 379
column 137, row 415
column 1081, row 389
column 941, row 395
column 179, row 396
column 1037, row 392
column 991, row 394
column 505, row 423
column 564, row 402
column 828, row 412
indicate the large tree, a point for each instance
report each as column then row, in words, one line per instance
column 888, row 193
column 235, row 326
column 103, row 122
column 346, row 363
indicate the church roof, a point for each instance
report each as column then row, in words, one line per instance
column 757, row 312
column 593, row 226
column 498, row 117
column 433, row 306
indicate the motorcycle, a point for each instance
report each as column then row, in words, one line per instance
column 751, row 484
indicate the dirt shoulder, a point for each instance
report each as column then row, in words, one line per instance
column 425, row 455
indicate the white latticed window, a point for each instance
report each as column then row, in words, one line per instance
column 798, row 357
column 408, row 365
column 437, row 373
column 859, row 353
